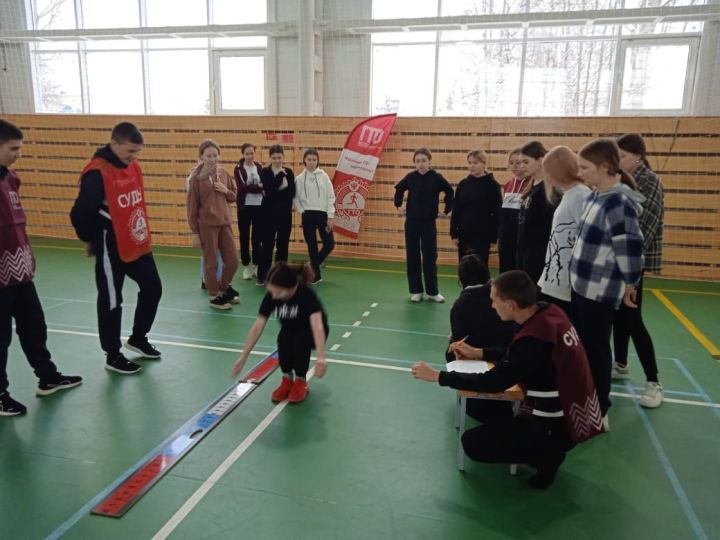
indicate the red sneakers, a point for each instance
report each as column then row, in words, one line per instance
column 299, row 391
column 281, row 392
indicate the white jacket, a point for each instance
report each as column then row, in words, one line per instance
column 314, row 191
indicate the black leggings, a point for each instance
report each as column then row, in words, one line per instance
column 629, row 324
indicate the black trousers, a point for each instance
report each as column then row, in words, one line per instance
column 521, row 439
column 593, row 322
column 314, row 222
column 250, row 226
column 421, row 253
column 294, row 352
column 21, row 302
column 475, row 244
column 507, row 251
column 110, row 272
column 276, row 228
column 629, row 324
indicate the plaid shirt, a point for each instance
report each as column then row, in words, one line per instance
column 651, row 219
column 608, row 252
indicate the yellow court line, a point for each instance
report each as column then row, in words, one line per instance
column 683, row 291
column 687, row 323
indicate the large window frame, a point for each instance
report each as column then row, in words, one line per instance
column 692, row 41
column 216, row 81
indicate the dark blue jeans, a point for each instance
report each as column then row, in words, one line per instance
column 421, row 253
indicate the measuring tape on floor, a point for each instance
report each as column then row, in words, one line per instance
column 147, row 474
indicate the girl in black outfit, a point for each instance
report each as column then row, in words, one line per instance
column 536, row 213
column 249, row 208
column 303, row 327
column 423, row 185
column 476, row 209
column 279, row 185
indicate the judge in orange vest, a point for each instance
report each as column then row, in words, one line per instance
column 109, row 215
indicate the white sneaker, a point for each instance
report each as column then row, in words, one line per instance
column 606, row 423
column 620, row 372
column 254, row 271
column 439, row 298
column 653, row 395
column 247, row 272
column 416, row 297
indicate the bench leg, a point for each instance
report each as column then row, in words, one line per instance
column 461, row 429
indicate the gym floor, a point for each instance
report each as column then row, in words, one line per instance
column 372, row 453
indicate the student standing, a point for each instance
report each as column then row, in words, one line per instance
column 606, row 261
column 279, row 185
column 249, row 209
column 424, row 186
column 561, row 172
column 628, row 321
column 510, row 214
column 109, row 216
column 303, row 327
column 315, row 200
column 18, row 296
column 545, row 357
column 208, row 209
column 536, row 212
column 476, row 209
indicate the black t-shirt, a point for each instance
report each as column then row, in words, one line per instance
column 294, row 313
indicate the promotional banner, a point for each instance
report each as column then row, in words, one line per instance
column 355, row 171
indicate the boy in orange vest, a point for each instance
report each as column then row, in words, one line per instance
column 109, row 215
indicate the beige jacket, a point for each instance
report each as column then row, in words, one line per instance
column 205, row 205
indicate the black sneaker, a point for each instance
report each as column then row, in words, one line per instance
column 142, row 347
column 57, row 382
column 220, row 302
column 260, row 282
column 10, row 407
column 202, row 284
column 232, row 296
column 318, row 279
column 119, row 364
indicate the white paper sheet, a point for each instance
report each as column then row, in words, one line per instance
column 468, row 366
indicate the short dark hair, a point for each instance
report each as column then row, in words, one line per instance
column 424, row 152
column 516, row 285
column 276, row 149
column 635, row 144
column 9, row 132
column 246, row 146
column 126, row 132
column 533, row 149
column 472, row 271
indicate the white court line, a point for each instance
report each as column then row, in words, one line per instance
column 335, row 347
column 357, row 323
column 347, row 335
column 365, row 313
column 673, row 400
column 218, row 473
column 374, row 304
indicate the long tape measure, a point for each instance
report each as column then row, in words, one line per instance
column 147, row 474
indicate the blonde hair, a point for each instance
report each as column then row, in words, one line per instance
column 480, row 155
column 561, row 168
column 208, row 143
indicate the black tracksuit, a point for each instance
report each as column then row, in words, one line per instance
column 420, row 229
column 534, row 227
column 89, row 216
column 277, row 217
column 475, row 214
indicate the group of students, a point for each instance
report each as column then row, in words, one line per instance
column 597, row 218
column 110, row 217
column 265, row 198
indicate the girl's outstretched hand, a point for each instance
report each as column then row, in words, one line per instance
column 320, row 367
column 237, row 367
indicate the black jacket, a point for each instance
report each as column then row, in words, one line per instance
column 275, row 198
column 534, row 226
column 424, row 189
column 476, row 208
column 472, row 315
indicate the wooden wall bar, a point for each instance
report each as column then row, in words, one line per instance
column 684, row 151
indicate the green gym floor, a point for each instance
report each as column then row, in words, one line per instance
column 371, row 454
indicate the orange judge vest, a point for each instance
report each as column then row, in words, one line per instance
column 125, row 198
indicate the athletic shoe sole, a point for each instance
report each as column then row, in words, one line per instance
column 139, row 351
column 16, row 413
column 40, row 392
column 121, row 371
column 223, row 306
